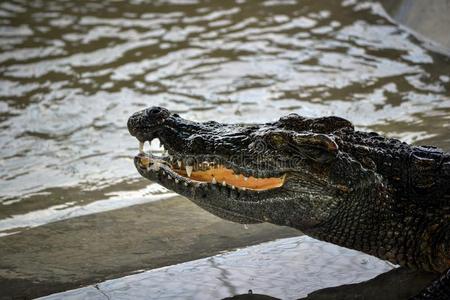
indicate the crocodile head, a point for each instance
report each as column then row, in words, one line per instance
column 289, row 172
column 351, row 188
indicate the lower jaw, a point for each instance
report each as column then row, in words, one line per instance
column 205, row 175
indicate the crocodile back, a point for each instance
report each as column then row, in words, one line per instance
column 417, row 174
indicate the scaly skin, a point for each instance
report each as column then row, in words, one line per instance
column 354, row 189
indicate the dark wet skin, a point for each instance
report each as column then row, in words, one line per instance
column 354, row 189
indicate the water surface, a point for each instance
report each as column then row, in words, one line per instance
column 72, row 72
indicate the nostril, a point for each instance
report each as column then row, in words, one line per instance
column 155, row 114
column 154, row 111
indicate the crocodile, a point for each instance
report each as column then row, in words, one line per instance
column 352, row 188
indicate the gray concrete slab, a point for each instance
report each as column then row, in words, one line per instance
column 93, row 248
column 286, row 269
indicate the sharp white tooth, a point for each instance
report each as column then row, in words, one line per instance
column 176, row 180
column 141, row 147
column 243, row 188
column 189, row 170
column 155, row 166
column 185, row 183
column 170, row 157
column 179, row 163
column 163, row 149
column 168, row 177
column 232, row 187
column 224, row 183
column 245, row 226
column 213, row 181
column 245, row 178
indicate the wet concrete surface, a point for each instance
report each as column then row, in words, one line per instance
column 88, row 249
column 289, row 268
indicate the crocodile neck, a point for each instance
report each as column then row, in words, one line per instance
column 404, row 235
column 399, row 213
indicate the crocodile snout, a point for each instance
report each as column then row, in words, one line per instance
column 145, row 122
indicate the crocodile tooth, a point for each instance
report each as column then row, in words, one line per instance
column 179, row 163
column 189, row 170
column 141, row 147
column 214, row 181
column 185, row 183
column 176, row 180
column 168, row 177
column 154, row 167
column 245, row 178
column 224, row 183
column 232, row 187
column 170, row 157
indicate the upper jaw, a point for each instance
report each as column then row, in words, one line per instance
column 181, row 146
column 193, row 146
column 211, row 172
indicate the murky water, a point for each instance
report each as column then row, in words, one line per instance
column 71, row 72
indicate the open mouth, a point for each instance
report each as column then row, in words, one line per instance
column 211, row 171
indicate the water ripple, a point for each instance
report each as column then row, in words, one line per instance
column 71, row 74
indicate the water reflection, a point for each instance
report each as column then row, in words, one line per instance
column 71, row 209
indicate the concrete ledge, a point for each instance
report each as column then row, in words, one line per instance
column 93, row 248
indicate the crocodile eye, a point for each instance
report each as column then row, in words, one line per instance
column 318, row 147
